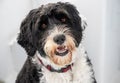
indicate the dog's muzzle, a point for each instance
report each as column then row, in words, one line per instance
column 61, row 50
column 59, row 45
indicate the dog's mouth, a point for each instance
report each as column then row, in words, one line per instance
column 61, row 51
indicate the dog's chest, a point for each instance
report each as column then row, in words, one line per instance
column 53, row 77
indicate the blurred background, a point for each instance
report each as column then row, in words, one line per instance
column 102, row 39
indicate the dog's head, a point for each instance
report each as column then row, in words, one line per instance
column 54, row 30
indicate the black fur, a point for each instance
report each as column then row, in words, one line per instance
column 29, row 73
column 25, row 38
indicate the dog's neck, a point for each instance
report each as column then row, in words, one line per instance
column 50, row 68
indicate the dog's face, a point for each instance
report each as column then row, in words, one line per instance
column 54, row 30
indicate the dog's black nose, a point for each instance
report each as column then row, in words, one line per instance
column 59, row 39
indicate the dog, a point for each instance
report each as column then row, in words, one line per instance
column 52, row 36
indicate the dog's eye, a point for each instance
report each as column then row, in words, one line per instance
column 62, row 17
column 43, row 25
column 43, row 22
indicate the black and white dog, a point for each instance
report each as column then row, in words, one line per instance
column 52, row 37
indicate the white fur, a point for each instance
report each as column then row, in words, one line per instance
column 83, row 21
column 80, row 73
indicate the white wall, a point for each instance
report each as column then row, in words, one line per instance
column 111, row 67
column 11, row 14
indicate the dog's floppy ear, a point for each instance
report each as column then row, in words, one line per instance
column 25, row 36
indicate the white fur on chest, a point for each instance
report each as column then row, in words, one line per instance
column 80, row 73
column 53, row 77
